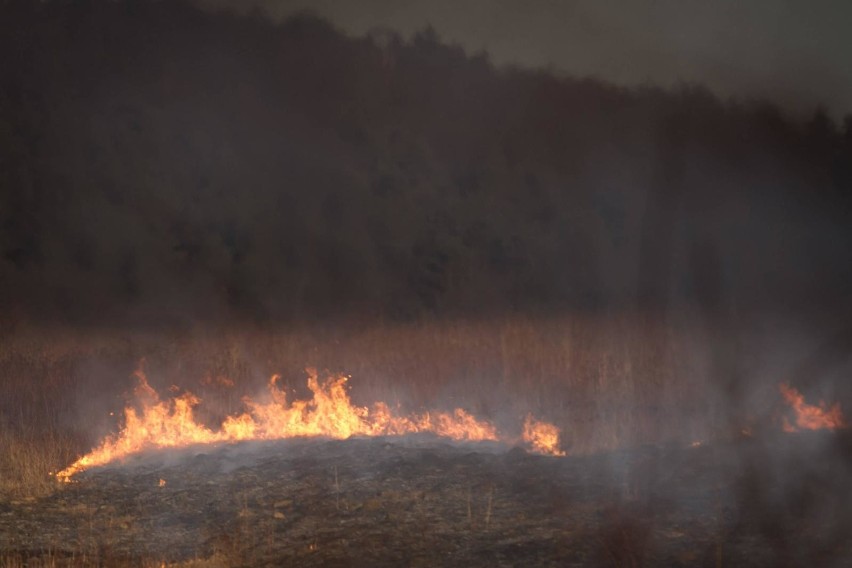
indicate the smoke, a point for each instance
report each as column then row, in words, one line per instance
column 165, row 166
column 640, row 266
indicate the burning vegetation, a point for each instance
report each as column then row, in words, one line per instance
column 328, row 413
column 231, row 198
column 341, row 482
column 808, row 416
column 543, row 437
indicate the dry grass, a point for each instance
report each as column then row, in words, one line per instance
column 49, row 559
column 606, row 384
column 27, row 460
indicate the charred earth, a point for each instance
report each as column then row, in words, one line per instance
column 421, row 500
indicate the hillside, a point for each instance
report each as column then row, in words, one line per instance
column 162, row 163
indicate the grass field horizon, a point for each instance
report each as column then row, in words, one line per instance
column 607, row 384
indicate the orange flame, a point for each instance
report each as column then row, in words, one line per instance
column 810, row 417
column 329, row 413
column 542, row 436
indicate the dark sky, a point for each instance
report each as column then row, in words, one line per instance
column 794, row 52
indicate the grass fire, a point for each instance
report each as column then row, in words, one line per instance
column 392, row 283
column 329, row 414
column 810, row 417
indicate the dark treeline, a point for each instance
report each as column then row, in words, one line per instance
column 159, row 162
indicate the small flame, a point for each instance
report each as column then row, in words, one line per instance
column 542, row 436
column 810, row 417
column 329, row 413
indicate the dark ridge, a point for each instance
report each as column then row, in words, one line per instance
column 159, row 163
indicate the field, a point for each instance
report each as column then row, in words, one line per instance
column 640, row 411
column 603, row 385
column 422, row 501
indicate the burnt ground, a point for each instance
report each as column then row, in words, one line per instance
column 422, row 501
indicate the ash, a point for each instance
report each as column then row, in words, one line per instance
column 420, row 500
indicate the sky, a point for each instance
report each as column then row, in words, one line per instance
column 794, row 52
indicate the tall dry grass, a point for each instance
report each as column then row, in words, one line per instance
column 606, row 383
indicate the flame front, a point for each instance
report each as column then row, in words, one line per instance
column 328, row 413
column 543, row 437
column 808, row 416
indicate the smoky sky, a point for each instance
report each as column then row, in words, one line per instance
column 795, row 53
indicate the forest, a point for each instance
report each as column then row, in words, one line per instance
column 162, row 165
